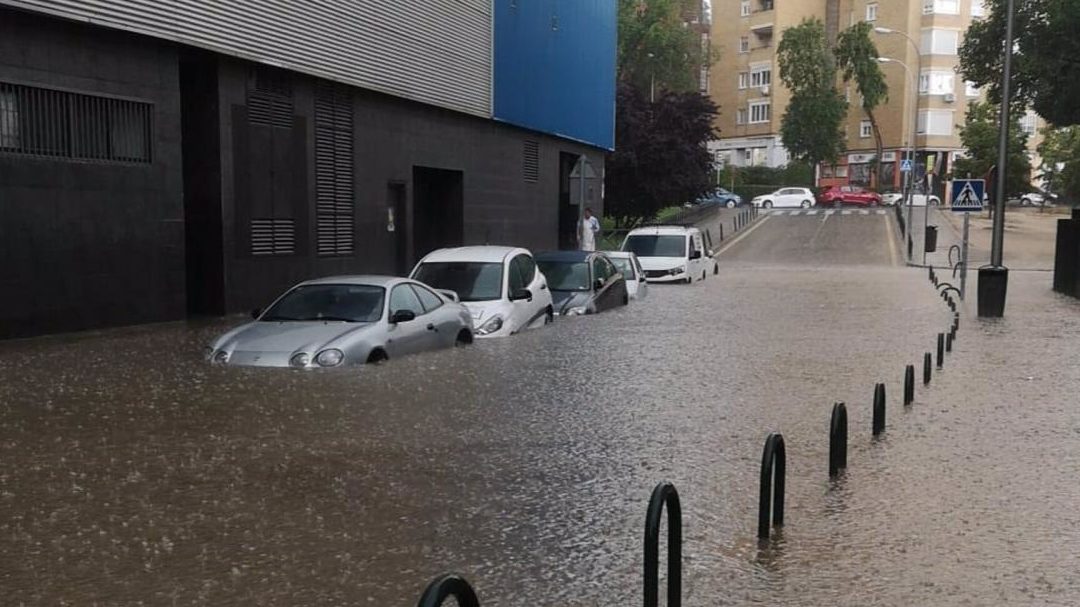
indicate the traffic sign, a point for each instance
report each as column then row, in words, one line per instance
column 967, row 195
column 905, row 165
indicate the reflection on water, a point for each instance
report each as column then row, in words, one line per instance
column 135, row 473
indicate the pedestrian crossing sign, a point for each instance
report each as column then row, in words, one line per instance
column 905, row 165
column 967, row 195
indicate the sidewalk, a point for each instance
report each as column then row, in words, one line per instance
column 1029, row 238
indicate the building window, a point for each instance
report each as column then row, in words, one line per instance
column 744, row 79
column 759, row 112
column 748, row 157
column 841, row 171
column 334, row 184
column 59, row 124
column 970, row 89
column 871, row 11
column 766, row 5
column 866, row 129
column 939, row 42
column 1029, row 122
column 978, row 9
column 744, row 44
column 740, row 116
column 937, row 83
column 761, row 76
column 744, row 8
column 941, row 7
column 935, row 122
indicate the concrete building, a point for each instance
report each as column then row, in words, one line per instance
column 160, row 160
column 745, row 83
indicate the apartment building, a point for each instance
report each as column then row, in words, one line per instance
column 924, row 84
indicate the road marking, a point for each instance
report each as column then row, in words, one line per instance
column 864, row 212
column 818, row 230
column 830, row 212
column 846, row 212
column 881, row 211
column 811, row 212
column 892, row 242
column 741, row 236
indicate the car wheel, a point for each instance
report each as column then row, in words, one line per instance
column 805, row 204
column 626, row 299
column 464, row 338
column 767, row 204
column 1025, row 202
column 731, row 204
column 378, row 355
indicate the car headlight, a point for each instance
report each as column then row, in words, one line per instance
column 300, row 359
column 221, row 357
column 330, row 358
column 676, row 271
column 492, row 325
column 208, row 353
column 576, row 311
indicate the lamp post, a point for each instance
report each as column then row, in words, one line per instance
column 914, row 118
column 994, row 278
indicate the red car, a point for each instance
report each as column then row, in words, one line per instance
column 836, row 195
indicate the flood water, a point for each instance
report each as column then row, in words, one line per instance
column 135, row 474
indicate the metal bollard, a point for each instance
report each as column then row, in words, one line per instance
column 930, row 274
column 927, row 366
column 879, row 409
column 771, row 498
column 446, row 586
column 664, row 493
column 721, row 232
column 837, row 440
column 940, row 350
column 948, row 341
column 909, row 384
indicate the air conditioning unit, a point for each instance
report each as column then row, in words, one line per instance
column 765, row 90
column 949, row 97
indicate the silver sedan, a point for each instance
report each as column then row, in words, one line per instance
column 346, row 320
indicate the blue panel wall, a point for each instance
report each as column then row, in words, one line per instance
column 555, row 67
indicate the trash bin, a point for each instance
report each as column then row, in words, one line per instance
column 931, row 239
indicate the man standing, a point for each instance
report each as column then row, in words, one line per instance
column 589, row 228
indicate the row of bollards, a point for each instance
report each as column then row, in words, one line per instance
column 745, row 217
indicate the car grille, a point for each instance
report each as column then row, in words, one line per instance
column 656, row 273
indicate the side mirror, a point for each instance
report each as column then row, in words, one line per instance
column 641, row 278
column 521, row 294
column 599, row 284
column 695, row 254
column 403, row 316
column 256, row 313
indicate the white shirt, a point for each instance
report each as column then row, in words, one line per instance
column 589, row 227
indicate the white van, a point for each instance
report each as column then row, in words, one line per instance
column 670, row 253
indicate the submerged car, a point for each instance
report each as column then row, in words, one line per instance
column 627, row 263
column 345, row 320
column 671, row 253
column 582, row 282
column 500, row 286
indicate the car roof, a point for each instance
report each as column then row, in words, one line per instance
column 619, row 254
column 482, row 254
column 565, row 256
column 373, row 280
column 667, row 230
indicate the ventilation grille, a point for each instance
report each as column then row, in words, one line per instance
column 268, row 109
column 531, row 162
column 273, row 237
column 334, row 190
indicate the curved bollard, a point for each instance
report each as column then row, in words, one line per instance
column 940, row 350
column 446, row 586
column 773, row 472
column 948, row 341
column 927, row 366
column 879, row 409
column 909, row 384
column 838, row 440
column 664, row 493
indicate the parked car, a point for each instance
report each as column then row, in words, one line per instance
column 720, row 197
column 500, row 286
column 1036, row 199
column 345, row 320
column 627, row 263
column 582, row 282
column 785, row 197
column 917, row 200
column 836, row 195
column 671, row 253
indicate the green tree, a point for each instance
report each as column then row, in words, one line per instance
column 857, row 57
column 812, row 124
column 979, row 135
column 1060, row 166
column 1046, row 73
column 656, row 46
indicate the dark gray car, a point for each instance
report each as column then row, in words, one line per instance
column 582, row 282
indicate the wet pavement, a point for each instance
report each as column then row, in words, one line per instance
column 134, row 473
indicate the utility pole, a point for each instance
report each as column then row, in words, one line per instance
column 994, row 278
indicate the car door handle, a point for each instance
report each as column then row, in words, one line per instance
column 431, row 327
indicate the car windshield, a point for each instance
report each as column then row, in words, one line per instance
column 472, row 281
column 625, row 266
column 349, row 303
column 656, row 246
column 565, row 275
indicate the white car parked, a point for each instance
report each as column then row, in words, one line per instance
column 917, row 200
column 671, row 253
column 627, row 263
column 500, row 286
column 785, row 197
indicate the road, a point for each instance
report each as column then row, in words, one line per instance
column 135, row 473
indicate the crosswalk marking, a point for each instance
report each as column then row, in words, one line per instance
column 814, row 212
column 830, row 212
column 826, row 212
column 846, row 212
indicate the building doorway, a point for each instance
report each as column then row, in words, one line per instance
column 438, row 216
column 568, row 211
column 398, row 223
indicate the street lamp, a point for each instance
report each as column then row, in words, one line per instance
column 915, row 117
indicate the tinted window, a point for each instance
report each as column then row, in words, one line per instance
column 526, row 269
column 566, row 276
column 656, row 246
column 429, row 300
column 352, row 303
column 517, row 283
column 472, row 281
column 625, row 266
column 404, row 298
column 600, row 270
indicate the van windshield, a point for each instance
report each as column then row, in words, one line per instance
column 645, row 245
